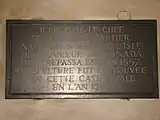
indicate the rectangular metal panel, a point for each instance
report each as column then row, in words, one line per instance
column 81, row 59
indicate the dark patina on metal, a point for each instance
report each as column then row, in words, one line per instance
column 81, row 59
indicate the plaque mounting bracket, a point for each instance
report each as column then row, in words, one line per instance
column 124, row 15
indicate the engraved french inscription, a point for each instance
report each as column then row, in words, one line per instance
column 83, row 59
column 45, row 29
column 35, row 37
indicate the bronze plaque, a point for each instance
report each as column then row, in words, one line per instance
column 81, row 59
